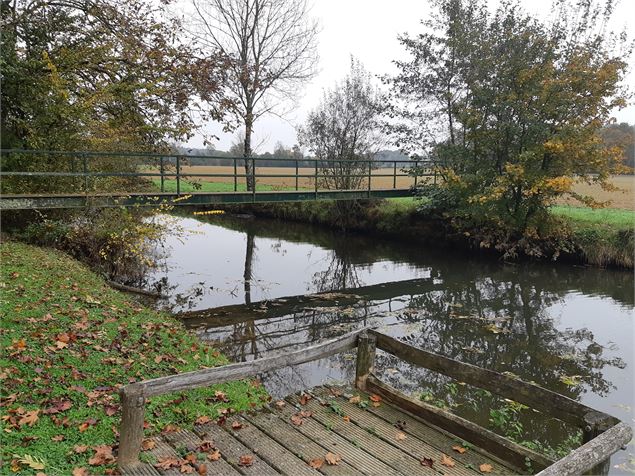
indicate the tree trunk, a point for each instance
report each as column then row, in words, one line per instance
column 249, row 169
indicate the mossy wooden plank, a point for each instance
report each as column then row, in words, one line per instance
column 416, row 447
column 274, row 454
column 298, row 443
column 331, row 441
column 365, row 438
column 432, row 435
column 191, row 442
column 232, row 450
column 487, row 440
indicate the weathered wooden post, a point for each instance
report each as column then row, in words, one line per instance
column 366, row 347
column 132, row 416
column 596, row 424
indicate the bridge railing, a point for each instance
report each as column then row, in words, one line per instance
column 92, row 172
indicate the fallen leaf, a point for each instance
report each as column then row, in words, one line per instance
column 427, row 462
column 245, row 460
column 202, row 420
column 304, row 398
column 236, row 425
column 356, row 399
column 80, row 472
column 346, row 418
column 110, row 410
column 166, row 462
column 485, row 468
column 58, row 438
column 79, row 449
column 332, row 458
column 459, row 449
column 375, row 398
column 205, row 447
column 186, row 469
column 447, row 461
column 148, row 444
column 297, row 420
column 305, row 414
column 400, row 436
column 214, row 455
column 29, row 418
column 376, row 404
column 103, row 455
column 158, row 359
column 316, row 463
column 202, row 469
column 170, row 428
column 281, row 403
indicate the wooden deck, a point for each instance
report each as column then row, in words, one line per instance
column 375, row 440
column 370, row 428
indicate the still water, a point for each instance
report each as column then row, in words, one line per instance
column 241, row 283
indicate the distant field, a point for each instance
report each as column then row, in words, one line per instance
column 624, row 198
column 288, row 179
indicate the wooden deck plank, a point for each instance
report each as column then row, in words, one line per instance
column 414, row 446
column 355, row 456
column 163, row 450
column 231, row 449
column 363, row 437
column 276, row 455
column 191, row 442
column 142, row 469
column 430, row 433
column 299, row 444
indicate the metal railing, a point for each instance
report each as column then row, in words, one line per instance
column 164, row 167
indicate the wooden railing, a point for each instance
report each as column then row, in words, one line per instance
column 603, row 434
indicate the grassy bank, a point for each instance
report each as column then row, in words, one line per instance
column 603, row 237
column 68, row 343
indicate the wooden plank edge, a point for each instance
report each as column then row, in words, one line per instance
column 508, row 451
column 211, row 376
column 590, row 454
column 548, row 402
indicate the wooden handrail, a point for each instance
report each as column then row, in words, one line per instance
column 548, row 402
column 587, row 456
column 133, row 396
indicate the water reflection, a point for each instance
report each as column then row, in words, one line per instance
column 568, row 329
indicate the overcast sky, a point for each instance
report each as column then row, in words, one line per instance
column 368, row 30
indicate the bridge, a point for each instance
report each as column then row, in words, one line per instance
column 37, row 179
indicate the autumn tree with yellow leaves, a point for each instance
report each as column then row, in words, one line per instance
column 509, row 107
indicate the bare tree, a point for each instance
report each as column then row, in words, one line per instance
column 344, row 129
column 272, row 49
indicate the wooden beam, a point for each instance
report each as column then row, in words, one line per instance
column 131, row 433
column 587, row 456
column 460, row 427
column 365, row 359
column 207, row 377
column 548, row 402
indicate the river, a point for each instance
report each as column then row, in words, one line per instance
column 241, row 282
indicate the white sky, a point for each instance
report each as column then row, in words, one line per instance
column 368, row 29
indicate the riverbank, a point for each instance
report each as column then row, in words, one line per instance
column 602, row 237
column 68, row 343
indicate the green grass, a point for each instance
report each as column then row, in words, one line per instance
column 70, row 341
column 612, row 217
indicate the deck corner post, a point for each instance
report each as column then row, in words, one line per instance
column 596, row 424
column 131, row 432
column 366, row 347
